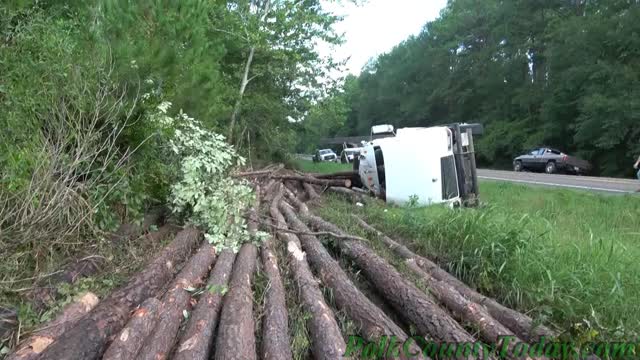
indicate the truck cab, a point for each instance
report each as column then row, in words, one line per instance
column 420, row 166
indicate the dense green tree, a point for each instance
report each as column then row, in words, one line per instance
column 561, row 73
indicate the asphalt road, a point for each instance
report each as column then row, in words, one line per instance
column 600, row 184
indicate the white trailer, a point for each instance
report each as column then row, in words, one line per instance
column 421, row 165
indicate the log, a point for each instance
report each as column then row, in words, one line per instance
column 87, row 339
column 8, row 324
column 259, row 173
column 131, row 231
column 34, row 345
column 490, row 330
column 197, row 341
column 312, row 180
column 275, row 328
column 175, row 302
column 371, row 321
column 236, row 340
column 411, row 303
column 520, row 324
column 47, row 291
column 130, row 340
column 326, row 339
column 337, row 175
column 275, row 325
column 312, row 194
column 349, row 194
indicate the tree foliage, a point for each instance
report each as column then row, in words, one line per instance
column 561, row 73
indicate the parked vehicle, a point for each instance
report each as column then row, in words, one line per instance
column 550, row 161
column 325, row 155
column 348, row 155
column 421, row 166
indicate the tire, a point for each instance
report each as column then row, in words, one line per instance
column 517, row 166
column 550, row 168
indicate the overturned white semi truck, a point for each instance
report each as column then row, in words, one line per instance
column 421, row 165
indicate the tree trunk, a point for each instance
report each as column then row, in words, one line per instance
column 311, row 180
column 197, row 341
column 326, row 340
column 312, row 194
column 243, row 87
column 175, row 302
column 490, row 330
column 87, row 339
column 517, row 322
column 32, row 347
column 371, row 321
column 127, row 345
column 275, row 325
column 349, row 194
column 409, row 301
column 236, row 337
column 337, row 175
column 47, row 291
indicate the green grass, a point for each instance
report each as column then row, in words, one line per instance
column 568, row 258
column 321, row 167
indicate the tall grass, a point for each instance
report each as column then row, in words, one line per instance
column 566, row 257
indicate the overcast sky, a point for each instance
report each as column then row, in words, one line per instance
column 377, row 26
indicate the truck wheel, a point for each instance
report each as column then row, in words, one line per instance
column 517, row 167
column 550, row 168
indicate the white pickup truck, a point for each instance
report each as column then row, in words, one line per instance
column 423, row 166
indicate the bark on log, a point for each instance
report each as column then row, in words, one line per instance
column 162, row 233
column 47, row 291
column 326, row 339
column 174, row 303
column 337, row 175
column 350, row 194
column 371, row 321
column 87, row 339
column 521, row 324
column 130, row 340
column 197, row 341
column 275, row 325
column 236, row 339
column 416, row 306
column 34, row 345
column 312, row 194
column 259, row 173
column 490, row 330
column 312, row 180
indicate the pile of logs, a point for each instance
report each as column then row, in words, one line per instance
column 191, row 302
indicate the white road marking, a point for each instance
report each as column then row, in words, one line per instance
column 554, row 184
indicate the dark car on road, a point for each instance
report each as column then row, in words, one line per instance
column 550, row 161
